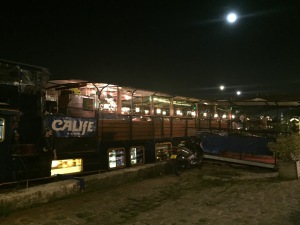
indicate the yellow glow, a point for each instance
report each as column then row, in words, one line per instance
column 162, row 151
column 125, row 109
column 178, row 112
column 181, row 103
column 127, row 97
column 161, row 100
column 65, row 166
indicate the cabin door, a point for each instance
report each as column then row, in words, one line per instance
column 7, row 119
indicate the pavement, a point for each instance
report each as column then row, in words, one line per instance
column 218, row 194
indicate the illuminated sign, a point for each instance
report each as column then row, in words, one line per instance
column 71, row 127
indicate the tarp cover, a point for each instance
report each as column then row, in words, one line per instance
column 217, row 144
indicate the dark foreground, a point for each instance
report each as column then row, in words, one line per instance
column 218, row 194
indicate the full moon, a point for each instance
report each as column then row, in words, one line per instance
column 231, row 18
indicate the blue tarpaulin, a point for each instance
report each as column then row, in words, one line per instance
column 216, row 144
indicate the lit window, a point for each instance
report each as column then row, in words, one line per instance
column 66, row 166
column 178, row 112
column 116, row 158
column 162, row 151
column 2, row 129
column 137, row 155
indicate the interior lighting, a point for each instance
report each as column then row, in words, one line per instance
column 181, row 103
column 178, row 112
column 65, row 166
column 161, row 100
column 125, row 109
column 127, row 97
column 294, row 119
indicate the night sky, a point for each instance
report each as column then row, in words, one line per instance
column 179, row 47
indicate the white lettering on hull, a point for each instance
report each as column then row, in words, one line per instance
column 72, row 126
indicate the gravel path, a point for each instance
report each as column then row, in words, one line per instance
column 218, row 194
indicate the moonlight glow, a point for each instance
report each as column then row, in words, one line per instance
column 231, row 17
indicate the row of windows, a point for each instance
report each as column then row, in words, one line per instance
column 116, row 159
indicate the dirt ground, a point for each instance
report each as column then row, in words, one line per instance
column 218, row 194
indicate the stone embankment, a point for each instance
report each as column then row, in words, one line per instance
column 70, row 185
